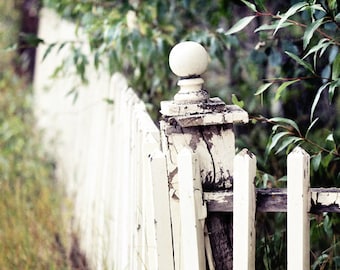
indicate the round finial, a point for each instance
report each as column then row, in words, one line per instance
column 188, row 59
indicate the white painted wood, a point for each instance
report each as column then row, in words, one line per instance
column 244, row 234
column 102, row 152
column 192, row 210
column 298, row 205
column 162, row 211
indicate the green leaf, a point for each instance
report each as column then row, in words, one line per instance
column 236, row 101
column 275, row 139
column 287, row 142
column 336, row 68
column 300, row 61
column 311, row 126
column 263, row 88
column 310, row 31
column 240, row 25
column 260, row 4
column 293, row 9
column 316, row 99
column 250, row 5
column 31, row 39
column 283, row 87
column 321, row 44
column 330, row 137
column 266, row 27
column 109, row 101
column 48, row 50
column 332, row 87
column 316, row 160
column 285, row 121
column 337, row 18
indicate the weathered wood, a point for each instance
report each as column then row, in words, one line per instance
column 193, row 211
column 215, row 148
column 212, row 112
column 244, row 234
column 161, row 211
column 325, row 200
column 298, row 205
column 275, row 200
column 220, row 230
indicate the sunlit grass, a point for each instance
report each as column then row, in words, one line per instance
column 33, row 226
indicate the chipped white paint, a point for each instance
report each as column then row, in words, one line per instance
column 322, row 197
column 298, row 205
column 244, row 235
column 193, row 211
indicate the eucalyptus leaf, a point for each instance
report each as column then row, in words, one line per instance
column 263, row 88
column 276, row 138
column 48, row 50
column 266, row 27
column 291, row 11
column 321, row 44
column 300, row 61
column 316, row 99
column 282, row 87
column 316, row 161
column 287, row 142
column 311, row 126
column 250, row 5
column 240, row 25
column 236, row 101
column 336, row 67
column 332, row 86
column 310, row 31
column 285, row 121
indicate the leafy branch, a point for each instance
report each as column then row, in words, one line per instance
column 287, row 131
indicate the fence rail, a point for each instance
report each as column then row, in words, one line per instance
column 275, row 200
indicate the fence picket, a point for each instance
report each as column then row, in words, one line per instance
column 244, row 211
column 161, row 211
column 192, row 211
column 298, row 205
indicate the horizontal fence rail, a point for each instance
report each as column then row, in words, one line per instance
column 275, row 200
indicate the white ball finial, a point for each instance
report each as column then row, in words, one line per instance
column 188, row 59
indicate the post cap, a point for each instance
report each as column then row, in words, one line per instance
column 188, row 59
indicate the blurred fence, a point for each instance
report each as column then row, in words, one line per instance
column 103, row 153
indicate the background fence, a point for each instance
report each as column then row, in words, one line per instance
column 109, row 159
column 102, row 152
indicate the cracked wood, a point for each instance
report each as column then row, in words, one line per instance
column 275, row 200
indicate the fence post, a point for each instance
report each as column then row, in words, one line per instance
column 205, row 125
column 298, row 205
column 244, row 211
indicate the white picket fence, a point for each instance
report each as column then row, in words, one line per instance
column 104, row 154
column 109, row 160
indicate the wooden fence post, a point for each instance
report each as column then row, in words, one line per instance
column 205, row 125
column 244, row 211
column 298, row 205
